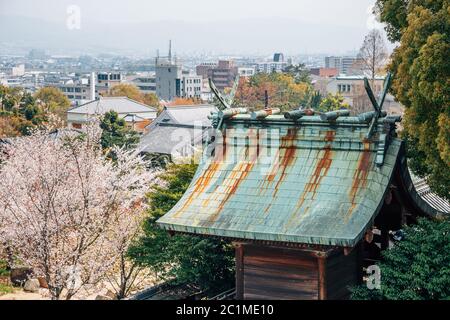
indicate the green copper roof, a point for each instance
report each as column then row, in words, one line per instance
column 306, row 181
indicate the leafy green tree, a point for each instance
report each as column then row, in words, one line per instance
column 52, row 100
column 421, row 83
column 283, row 90
column 10, row 98
column 417, row 268
column 19, row 112
column 315, row 100
column 207, row 263
column 151, row 99
column 126, row 90
column 299, row 72
column 132, row 92
column 332, row 102
column 116, row 133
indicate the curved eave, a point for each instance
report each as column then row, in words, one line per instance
column 408, row 190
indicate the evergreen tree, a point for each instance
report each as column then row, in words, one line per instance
column 331, row 103
column 116, row 133
column 417, row 268
column 421, row 83
column 207, row 263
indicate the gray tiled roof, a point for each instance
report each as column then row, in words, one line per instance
column 174, row 125
column 190, row 115
column 121, row 105
column 424, row 191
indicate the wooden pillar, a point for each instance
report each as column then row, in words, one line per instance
column 322, row 264
column 384, row 237
column 239, row 256
column 359, row 262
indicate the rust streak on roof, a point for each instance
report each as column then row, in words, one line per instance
column 200, row 185
column 321, row 170
column 288, row 154
column 237, row 175
column 360, row 175
column 243, row 169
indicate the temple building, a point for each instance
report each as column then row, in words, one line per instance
column 302, row 196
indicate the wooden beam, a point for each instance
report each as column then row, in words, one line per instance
column 348, row 250
column 322, row 264
column 239, row 256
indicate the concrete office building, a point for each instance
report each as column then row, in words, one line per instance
column 224, row 74
column 276, row 65
column 145, row 82
column 107, row 80
column 168, row 76
column 81, row 91
column 343, row 64
column 202, row 69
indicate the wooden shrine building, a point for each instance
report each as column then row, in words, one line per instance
column 297, row 194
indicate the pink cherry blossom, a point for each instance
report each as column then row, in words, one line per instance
column 68, row 212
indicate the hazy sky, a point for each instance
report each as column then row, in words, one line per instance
column 324, row 19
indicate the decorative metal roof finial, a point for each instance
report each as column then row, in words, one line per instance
column 225, row 110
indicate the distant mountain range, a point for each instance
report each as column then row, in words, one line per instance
column 243, row 36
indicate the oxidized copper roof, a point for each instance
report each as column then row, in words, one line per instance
column 306, row 181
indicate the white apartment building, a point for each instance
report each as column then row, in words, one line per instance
column 246, row 71
column 276, row 65
column 351, row 88
column 14, row 71
column 192, row 86
column 269, row 67
column 77, row 93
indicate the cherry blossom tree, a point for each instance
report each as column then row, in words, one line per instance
column 68, row 212
column 125, row 274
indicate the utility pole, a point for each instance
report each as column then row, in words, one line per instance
column 266, row 99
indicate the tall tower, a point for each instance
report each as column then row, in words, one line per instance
column 168, row 76
column 92, row 87
column 170, row 50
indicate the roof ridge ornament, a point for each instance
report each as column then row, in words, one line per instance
column 377, row 105
column 297, row 114
column 383, row 138
column 225, row 102
column 333, row 115
column 225, row 110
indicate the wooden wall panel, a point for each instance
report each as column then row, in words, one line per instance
column 342, row 271
column 278, row 273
